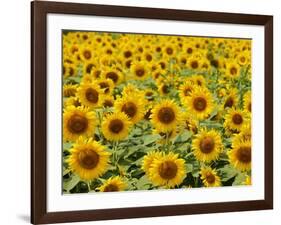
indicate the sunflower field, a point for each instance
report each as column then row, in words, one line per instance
column 143, row 112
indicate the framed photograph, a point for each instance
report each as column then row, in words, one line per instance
column 143, row 112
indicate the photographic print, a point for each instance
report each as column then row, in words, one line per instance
column 148, row 112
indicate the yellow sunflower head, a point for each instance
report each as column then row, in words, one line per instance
column 200, row 103
column 165, row 116
column 209, row 177
column 240, row 155
column 140, row 70
column 168, row 171
column 89, row 94
column 185, row 89
column 148, row 160
column 231, row 99
column 131, row 106
column 235, row 119
column 106, row 85
column 207, row 145
column 69, row 90
column 113, row 184
column 116, row 126
column 111, row 73
column 88, row 159
column 78, row 121
column 232, row 70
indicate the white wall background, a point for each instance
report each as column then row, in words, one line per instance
column 15, row 111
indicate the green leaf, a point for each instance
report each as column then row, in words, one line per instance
column 239, row 179
column 148, row 139
column 189, row 168
column 227, row 172
column 70, row 184
column 183, row 137
column 142, row 183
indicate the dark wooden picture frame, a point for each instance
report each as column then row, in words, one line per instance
column 40, row 9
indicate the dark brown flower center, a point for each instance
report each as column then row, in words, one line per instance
column 165, row 89
column 113, row 76
column 189, row 50
column 194, row 64
column 89, row 68
column 187, row 91
column 140, row 72
column 87, row 54
column 207, row 145
column 250, row 107
column 168, row 170
column 127, row 54
column 210, row 178
column 200, row 103
column 158, row 49
column 104, row 86
column 71, row 71
column 116, row 126
column 183, row 61
column 128, row 64
column 244, row 154
column 148, row 57
column 92, row 95
column 229, row 102
column 237, row 119
column 107, row 103
column 77, row 124
column 166, row 115
column 233, row 70
column 111, row 188
column 88, row 159
column 130, row 109
column 163, row 65
column 169, row 51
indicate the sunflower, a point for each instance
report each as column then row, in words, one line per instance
column 148, row 160
column 88, row 158
column 240, row 155
column 72, row 101
column 78, row 121
column 207, row 145
column 116, row 126
column 106, row 85
column 89, row 94
column 185, row 89
column 243, row 58
column 140, row 70
column 209, row 177
column 130, row 90
column 113, row 184
column 86, row 53
column 231, row 99
column 194, row 63
column 131, row 106
column 165, row 116
column 115, row 75
column 232, row 70
column 168, row 171
column 247, row 102
column 107, row 101
column 69, row 90
column 235, row 119
column 198, row 80
column 200, row 103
